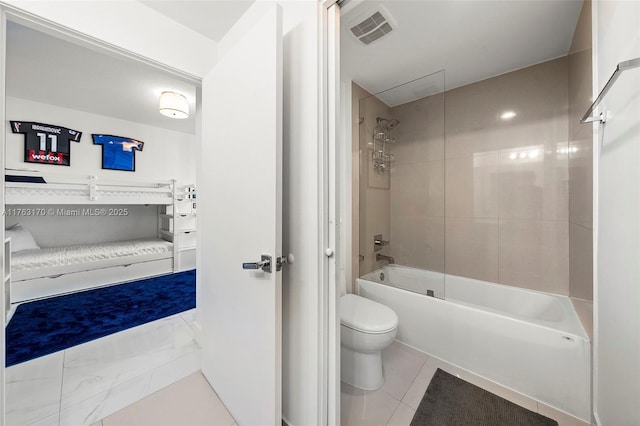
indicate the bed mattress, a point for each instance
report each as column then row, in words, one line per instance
column 27, row 260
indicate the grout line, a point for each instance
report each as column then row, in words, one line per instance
column 581, row 226
column 191, row 325
column 414, row 379
column 393, row 414
column 184, row 320
column 389, row 395
column 64, row 358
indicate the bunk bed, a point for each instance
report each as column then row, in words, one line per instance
column 43, row 272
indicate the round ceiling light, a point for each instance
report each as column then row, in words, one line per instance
column 174, row 105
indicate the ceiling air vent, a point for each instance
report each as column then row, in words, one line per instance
column 373, row 27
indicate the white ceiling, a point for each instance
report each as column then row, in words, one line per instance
column 211, row 18
column 84, row 79
column 46, row 69
column 470, row 40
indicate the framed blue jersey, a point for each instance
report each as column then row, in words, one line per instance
column 118, row 153
column 46, row 143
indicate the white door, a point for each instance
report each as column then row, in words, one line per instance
column 240, row 217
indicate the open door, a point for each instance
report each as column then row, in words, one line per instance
column 240, row 219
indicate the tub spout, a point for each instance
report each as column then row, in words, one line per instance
column 383, row 257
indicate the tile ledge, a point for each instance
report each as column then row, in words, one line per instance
column 584, row 309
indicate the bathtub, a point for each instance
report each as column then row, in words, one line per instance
column 531, row 342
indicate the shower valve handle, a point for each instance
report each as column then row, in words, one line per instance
column 378, row 242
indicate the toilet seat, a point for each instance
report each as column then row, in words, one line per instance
column 366, row 316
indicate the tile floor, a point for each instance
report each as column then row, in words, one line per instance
column 149, row 375
column 188, row 402
column 407, row 375
column 86, row 383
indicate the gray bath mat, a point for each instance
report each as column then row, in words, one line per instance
column 450, row 401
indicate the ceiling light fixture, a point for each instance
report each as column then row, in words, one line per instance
column 508, row 115
column 173, row 105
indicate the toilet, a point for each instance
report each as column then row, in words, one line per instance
column 366, row 328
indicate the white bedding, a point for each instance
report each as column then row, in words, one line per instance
column 27, row 260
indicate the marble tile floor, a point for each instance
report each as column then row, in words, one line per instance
column 156, row 364
column 88, row 382
column 407, row 375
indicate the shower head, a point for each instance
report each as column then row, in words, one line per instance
column 386, row 124
column 392, row 123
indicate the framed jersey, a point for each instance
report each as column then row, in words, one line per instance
column 118, row 153
column 46, row 143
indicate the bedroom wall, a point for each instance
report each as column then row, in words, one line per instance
column 166, row 155
column 62, row 230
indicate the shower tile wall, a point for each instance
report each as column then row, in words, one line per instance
column 357, row 93
column 374, row 187
column 580, row 161
column 417, row 185
column 501, row 214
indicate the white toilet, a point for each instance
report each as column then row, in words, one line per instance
column 366, row 328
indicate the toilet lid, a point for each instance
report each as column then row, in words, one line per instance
column 366, row 315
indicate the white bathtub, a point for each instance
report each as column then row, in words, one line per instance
column 528, row 341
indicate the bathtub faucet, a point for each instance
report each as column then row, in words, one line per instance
column 383, row 257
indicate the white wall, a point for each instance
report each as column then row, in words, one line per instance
column 616, row 38
column 56, row 230
column 132, row 26
column 301, row 214
column 166, row 154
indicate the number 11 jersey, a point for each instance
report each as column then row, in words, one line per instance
column 46, row 143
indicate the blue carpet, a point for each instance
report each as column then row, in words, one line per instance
column 46, row 326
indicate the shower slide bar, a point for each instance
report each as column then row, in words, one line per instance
column 622, row 66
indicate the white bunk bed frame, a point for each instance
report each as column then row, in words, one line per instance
column 63, row 189
column 91, row 190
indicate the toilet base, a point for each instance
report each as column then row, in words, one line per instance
column 362, row 370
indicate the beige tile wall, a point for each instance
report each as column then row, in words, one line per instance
column 580, row 161
column 417, row 184
column 507, row 201
column 357, row 93
column 374, row 187
column 494, row 192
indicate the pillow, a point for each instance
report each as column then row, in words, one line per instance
column 21, row 238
